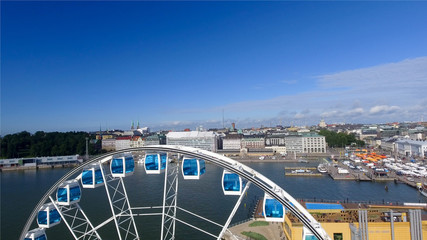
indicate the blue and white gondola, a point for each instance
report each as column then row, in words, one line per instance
column 193, row 168
column 48, row 216
column 68, row 193
column 122, row 165
column 232, row 183
column 36, row 234
column 92, row 176
column 155, row 163
column 273, row 210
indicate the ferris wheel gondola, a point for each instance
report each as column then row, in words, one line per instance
column 273, row 210
column 193, row 168
column 48, row 216
column 92, row 176
column 36, row 234
column 68, row 193
column 155, row 163
column 232, row 183
column 122, row 165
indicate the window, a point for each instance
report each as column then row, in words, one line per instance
column 338, row 236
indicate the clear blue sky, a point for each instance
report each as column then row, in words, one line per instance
column 171, row 65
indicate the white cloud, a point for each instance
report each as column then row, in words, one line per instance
column 391, row 91
column 299, row 116
column 406, row 75
column 383, row 109
column 355, row 112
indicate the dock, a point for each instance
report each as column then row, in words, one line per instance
column 305, row 168
column 303, row 174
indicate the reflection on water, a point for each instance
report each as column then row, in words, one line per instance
column 22, row 190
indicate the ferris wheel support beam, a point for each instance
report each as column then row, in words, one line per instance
column 234, row 211
column 120, row 206
column 170, row 197
column 80, row 226
column 244, row 171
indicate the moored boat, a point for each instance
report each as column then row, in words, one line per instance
column 322, row 168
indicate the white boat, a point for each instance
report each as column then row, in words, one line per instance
column 322, row 169
column 303, row 161
column 299, row 171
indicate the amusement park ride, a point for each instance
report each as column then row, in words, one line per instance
column 61, row 201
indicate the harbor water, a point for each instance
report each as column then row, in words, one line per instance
column 21, row 191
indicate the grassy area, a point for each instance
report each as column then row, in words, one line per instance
column 254, row 235
column 259, row 224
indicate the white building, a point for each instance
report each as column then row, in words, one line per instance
column 253, row 142
column 232, row 142
column 412, row 148
column 109, row 144
column 123, row 143
column 137, row 141
column 313, row 143
column 294, row 143
column 196, row 139
column 305, row 143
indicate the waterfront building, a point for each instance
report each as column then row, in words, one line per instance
column 294, row 143
column 137, row 141
column 356, row 221
column 37, row 161
column 123, row 142
column 109, row 144
column 152, row 140
column 313, row 143
column 104, row 135
column 232, row 142
column 411, row 148
column 253, row 142
column 275, row 140
column 196, row 139
column 388, row 144
column 276, row 143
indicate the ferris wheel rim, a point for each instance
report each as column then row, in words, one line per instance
column 239, row 168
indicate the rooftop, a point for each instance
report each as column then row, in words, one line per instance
column 190, row 134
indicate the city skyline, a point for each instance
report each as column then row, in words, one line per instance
column 173, row 65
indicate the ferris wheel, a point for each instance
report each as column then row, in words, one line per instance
column 63, row 202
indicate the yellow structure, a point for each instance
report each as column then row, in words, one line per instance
column 343, row 224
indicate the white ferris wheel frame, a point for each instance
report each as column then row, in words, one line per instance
column 247, row 173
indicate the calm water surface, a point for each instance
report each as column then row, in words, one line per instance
column 21, row 190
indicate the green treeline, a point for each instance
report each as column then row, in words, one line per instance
column 340, row 139
column 41, row 144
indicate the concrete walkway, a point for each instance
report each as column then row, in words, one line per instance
column 273, row 231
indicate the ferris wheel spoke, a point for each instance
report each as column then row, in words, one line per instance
column 233, row 212
column 170, row 196
column 120, row 207
column 76, row 221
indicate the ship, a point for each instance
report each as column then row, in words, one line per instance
column 322, row 168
